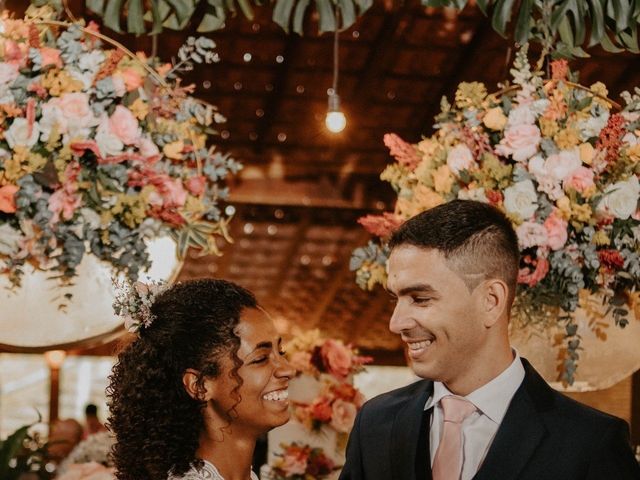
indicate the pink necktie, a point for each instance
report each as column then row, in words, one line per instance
column 447, row 464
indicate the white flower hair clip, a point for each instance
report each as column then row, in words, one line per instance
column 133, row 303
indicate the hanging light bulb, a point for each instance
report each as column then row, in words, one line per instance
column 335, row 119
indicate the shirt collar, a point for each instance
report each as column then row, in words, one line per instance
column 493, row 398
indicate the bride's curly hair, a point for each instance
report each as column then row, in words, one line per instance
column 157, row 424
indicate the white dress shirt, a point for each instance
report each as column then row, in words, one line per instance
column 479, row 428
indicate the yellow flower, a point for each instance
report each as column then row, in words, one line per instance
column 634, row 153
column 194, row 207
column 378, row 275
column 174, row 149
column 548, row 127
column 470, row 94
column 600, row 88
column 22, row 163
column 130, row 208
column 425, row 198
column 582, row 213
column 428, row 146
column 564, row 206
column 139, row 108
column 601, row 238
column 495, row 119
column 586, row 153
column 442, row 179
column 58, row 82
column 567, row 139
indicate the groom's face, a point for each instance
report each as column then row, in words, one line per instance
column 436, row 315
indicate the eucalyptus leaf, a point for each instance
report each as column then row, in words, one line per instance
column 135, row 17
column 211, row 22
column 327, row 20
column 298, row 16
column 112, row 15
column 96, row 6
column 501, row 16
column 282, row 13
column 347, row 13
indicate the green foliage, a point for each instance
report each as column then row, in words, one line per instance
column 563, row 27
column 23, row 452
column 151, row 17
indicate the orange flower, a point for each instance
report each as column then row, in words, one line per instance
column 7, row 198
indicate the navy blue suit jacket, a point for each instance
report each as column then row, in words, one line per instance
column 543, row 436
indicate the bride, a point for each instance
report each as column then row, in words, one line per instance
column 203, row 380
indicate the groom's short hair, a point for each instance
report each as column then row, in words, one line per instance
column 476, row 238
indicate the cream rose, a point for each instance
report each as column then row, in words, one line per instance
column 343, row 415
column 18, row 134
column 495, row 119
column 460, row 158
column 520, row 141
column 76, row 110
column 620, row 199
column 124, row 125
column 522, row 115
column 562, row 165
column 8, row 73
column 521, row 199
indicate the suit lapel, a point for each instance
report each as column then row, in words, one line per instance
column 405, row 435
column 521, row 430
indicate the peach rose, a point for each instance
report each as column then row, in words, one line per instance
column 581, row 180
column 520, row 141
column 124, row 125
column 336, row 357
column 556, row 228
column 531, row 278
column 50, row 56
column 8, row 199
column 148, row 149
column 131, row 78
column 321, row 410
column 343, row 415
column 64, row 202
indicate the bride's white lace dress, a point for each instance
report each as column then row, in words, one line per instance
column 207, row 472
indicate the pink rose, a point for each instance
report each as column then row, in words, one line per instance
column 581, row 180
column 50, row 56
column 531, row 234
column 76, row 110
column 8, row 73
column 520, row 141
column 556, row 228
column 343, row 415
column 336, row 357
column 196, row 185
column 64, row 202
column 295, row 463
column 15, row 53
column 131, row 78
column 124, row 125
column 460, row 158
column 8, row 198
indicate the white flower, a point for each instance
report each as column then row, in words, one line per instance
column 621, row 198
column 460, row 158
column 531, row 234
column 18, row 133
column 107, row 142
column 91, row 61
column 591, row 126
column 521, row 199
column 86, row 78
column 9, row 240
column 91, row 218
column 51, row 117
column 561, row 165
column 521, row 115
column 477, row 194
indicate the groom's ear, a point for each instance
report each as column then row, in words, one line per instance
column 194, row 385
column 495, row 298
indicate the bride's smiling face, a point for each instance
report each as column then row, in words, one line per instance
column 259, row 401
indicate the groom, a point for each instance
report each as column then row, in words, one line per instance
column 482, row 412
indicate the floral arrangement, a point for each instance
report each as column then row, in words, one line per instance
column 100, row 152
column 133, row 303
column 562, row 161
column 88, row 471
column 301, row 462
column 312, row 354
column 336, row 406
